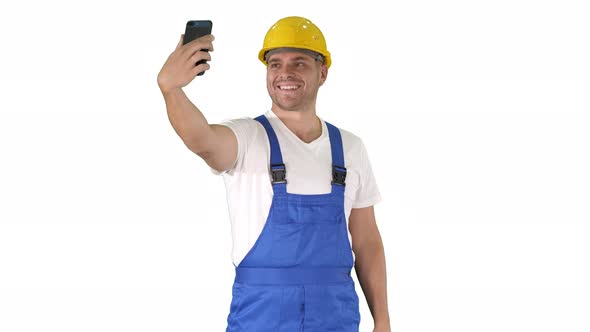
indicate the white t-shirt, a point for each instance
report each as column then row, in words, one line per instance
column 309, row 171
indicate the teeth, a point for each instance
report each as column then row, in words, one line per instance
column 288, row 87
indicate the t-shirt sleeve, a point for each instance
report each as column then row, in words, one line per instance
column 243, row 128
column 368, row 192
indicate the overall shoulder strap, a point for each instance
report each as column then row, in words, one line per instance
column 277, row 167
column 338, row 166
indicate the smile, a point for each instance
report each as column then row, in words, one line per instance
column 288, row 87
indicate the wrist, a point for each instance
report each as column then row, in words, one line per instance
column 382, row 324
column 166, row 86
column 382, row 328
column 169, row 90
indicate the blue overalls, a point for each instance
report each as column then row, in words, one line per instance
column 297, row 277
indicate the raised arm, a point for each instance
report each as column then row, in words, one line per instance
column 216, row 144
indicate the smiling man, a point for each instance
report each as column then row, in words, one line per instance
column 300, row 191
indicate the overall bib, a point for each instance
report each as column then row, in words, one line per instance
column 296, row 277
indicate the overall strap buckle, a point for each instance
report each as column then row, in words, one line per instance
column 338, row 175
column 279, row 173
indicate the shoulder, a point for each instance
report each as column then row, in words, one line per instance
column 351, row 143
column 249, row 133
column 355, row 152
column 245, row 128
column 242, row 122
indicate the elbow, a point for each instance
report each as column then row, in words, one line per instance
column 197, row 142
column 369, row 248
column 197, row 148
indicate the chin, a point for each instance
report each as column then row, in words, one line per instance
column 287, row 106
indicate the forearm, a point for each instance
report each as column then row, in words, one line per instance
column 370, row 269
column 186, row 119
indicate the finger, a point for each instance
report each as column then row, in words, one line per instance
column 208, row 38
column 206, row 46
column 204, row 42
column 212, row 39
column 180, row 42
column 200, row 68
column 200, row 56
column 199, row 52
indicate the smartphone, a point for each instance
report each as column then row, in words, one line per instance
column 195, row 29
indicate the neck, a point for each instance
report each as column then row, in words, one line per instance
column 305, row 124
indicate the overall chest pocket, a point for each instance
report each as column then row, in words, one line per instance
column 312, row 214
column 309, row 234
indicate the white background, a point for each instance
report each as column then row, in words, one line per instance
column 475, row 115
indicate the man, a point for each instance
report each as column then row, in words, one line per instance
column 300, row 191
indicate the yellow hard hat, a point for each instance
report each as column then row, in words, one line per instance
column 295, row 32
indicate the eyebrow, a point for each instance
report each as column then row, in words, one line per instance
column 297, row 58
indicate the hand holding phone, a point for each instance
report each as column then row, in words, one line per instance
column 185, row 62
column 196, row 29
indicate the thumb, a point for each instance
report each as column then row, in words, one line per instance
column 180, row 41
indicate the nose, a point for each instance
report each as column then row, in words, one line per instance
column 286, row 72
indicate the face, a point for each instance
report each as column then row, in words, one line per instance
column 293, row 80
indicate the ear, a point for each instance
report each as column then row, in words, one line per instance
column 324, row 74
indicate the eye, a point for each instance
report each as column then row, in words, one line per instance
column 274, row 65
column 300, row 64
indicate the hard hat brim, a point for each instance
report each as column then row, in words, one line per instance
column 326, row 54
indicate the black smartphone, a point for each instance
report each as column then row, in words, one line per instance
column 195, row 29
